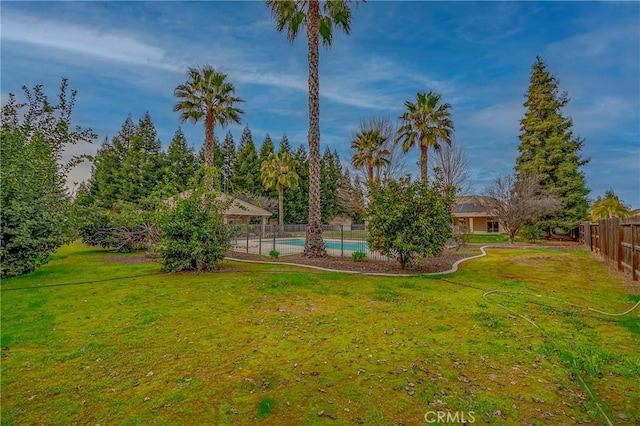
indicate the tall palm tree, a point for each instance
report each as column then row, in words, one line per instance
column 207, row 94
column 608, row 207
column 427, row 123
column 369, row 149
column 291, row 16
column 279, row 169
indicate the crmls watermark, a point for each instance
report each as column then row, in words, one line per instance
column 462, row 417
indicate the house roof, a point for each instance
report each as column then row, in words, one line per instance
column 240, row 207
column 471, row 205
column 237, row 207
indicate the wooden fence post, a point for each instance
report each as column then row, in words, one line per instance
column 620, row 249
column 634, row 253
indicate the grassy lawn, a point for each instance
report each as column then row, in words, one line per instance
column 488, row 238
column 121, row 342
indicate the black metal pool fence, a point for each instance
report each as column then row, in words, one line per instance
column 288, row 240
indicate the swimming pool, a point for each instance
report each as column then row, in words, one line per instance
column 335, row 245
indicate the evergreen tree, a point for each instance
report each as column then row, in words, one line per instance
column 329, row 181
column 297, row 201
column 228, row 162
column 609, row 206
column 181, row 164
column 285, row 146
column 130, row 167
column 246, row 173
column 549, row 149
column 143, row 162
column 107, row 176
column 265, row 150
column 104, row 183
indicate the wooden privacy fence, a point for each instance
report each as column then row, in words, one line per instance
column 616, row 240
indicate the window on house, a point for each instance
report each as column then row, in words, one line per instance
column 492, row 226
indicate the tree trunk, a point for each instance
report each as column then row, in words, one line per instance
column 423, row 163
column 208, row 139
column 370, row 174
column 314, row 245
column 281, row 205
column 208, row 147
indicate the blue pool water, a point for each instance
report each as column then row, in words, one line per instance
column 347, row 245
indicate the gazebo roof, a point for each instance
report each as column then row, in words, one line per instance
column 237, row 207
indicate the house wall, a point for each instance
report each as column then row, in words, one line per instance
column 476, row 224
column 239, row 220
column 479, row 225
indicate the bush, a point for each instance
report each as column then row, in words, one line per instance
column 532, row 233
column 35, row 204
column 195, row 237
column 408, row 220
column 274, row 254
column 125, row 227
column 358, row 256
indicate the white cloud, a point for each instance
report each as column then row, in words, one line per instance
column 83, row 40
column 502, row 119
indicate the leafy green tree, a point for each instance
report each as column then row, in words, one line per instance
column 279, row 170
column 319, row 22
column 408, row 220
column 228, row 161
column 608, row 207
column 426, row 123
column 369, row 152
column 35, row 218
column 195, row 236
column 549, row 149
column 208, row 95
column 246, row 173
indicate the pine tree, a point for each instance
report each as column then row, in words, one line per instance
column 297, row 201
column 143, row 162
column 181, row 164
column 285, row 146
column 246, row 173
column 265, row 150
column 130, row 167
column 107, row 177
column 330, row 175
column 549, row 149
column 228, row 161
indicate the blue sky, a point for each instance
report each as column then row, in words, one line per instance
column 127, row 57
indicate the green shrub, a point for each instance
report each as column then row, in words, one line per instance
column 408, row 220
column 125, row 227
column 195, row 237
column 35, row 218
column 358, row 256
column 532, row 233
column 274, row 254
